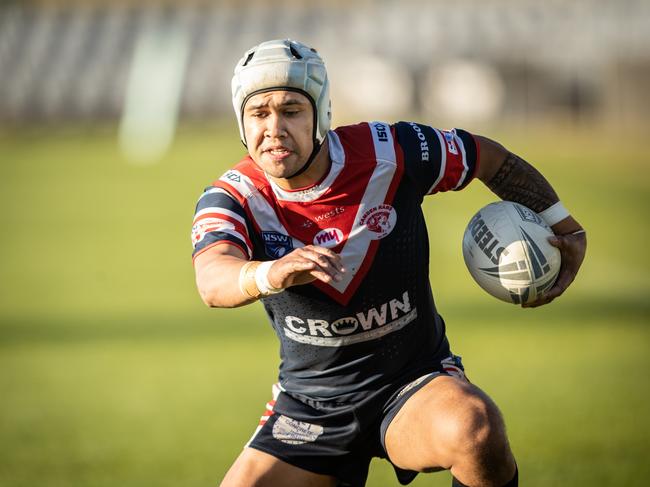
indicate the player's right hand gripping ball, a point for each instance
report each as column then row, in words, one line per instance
column 507, row 252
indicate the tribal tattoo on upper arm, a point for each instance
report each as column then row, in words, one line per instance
column 518, row 181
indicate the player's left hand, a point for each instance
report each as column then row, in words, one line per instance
column 572, row 247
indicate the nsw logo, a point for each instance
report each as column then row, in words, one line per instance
column 277, row 244
column 330, row 237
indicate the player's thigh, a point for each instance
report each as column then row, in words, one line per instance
column 438, row 424
column 254, row 468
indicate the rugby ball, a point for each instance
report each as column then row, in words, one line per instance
column 506, row 249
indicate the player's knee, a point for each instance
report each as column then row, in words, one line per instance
column 478, row 431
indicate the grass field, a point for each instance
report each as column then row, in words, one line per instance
column 112, row 372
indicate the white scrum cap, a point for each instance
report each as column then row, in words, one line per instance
column 283, row 64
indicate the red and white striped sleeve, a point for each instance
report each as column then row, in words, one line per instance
column 437, row 160
column 220, row 218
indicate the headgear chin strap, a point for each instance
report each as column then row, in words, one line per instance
column 306, row 165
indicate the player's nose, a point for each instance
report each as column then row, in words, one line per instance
column 275, row 126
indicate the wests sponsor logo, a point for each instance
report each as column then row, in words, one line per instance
column 330, row 237
column 330, row 214
column 324, row 216
column 277, row 244
column 380, row 221
column 367, row 325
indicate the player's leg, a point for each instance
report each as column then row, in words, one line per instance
column 452, row 424
column 254, row 468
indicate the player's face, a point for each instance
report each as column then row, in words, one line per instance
column 278, row 126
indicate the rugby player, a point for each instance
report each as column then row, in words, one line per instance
column 325, row 228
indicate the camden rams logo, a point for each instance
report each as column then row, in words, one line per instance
column 277, row 244
column 380, row 221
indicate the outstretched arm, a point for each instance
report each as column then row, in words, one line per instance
column 225, row 279
column 513, row 179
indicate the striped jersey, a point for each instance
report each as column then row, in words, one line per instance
column 345, row 340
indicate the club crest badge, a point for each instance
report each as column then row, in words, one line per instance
column 277, row 244
column 379, row 220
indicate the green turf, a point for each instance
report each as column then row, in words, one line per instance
column 113, row 373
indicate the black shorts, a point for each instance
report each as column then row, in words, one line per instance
column 339, row 440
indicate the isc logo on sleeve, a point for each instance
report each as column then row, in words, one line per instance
column 382, row 131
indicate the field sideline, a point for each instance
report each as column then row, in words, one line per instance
column 113, row 373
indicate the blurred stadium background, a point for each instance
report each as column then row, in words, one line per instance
column 115, row 114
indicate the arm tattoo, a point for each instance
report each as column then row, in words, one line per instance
column 518, row 181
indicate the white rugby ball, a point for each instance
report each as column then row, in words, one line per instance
column 507, row 252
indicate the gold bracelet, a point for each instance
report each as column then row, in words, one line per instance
column 242, row 274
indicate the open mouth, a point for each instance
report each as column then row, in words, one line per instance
column 278, row 153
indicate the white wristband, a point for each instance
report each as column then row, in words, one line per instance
column 262, row 279
column 554, row 214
